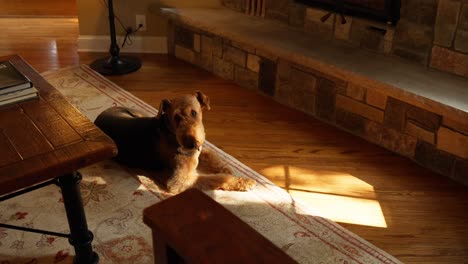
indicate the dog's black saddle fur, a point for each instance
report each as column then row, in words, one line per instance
column 137, row 137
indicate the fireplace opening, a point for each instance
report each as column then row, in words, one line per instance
column 381, row 10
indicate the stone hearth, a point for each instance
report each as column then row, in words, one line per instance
column 433, row 33
column 403, row 106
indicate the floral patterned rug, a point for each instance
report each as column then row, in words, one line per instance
column 115, row 197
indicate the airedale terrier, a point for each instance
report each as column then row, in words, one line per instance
column 170, row 143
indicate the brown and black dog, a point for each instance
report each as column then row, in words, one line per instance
column 170, row 143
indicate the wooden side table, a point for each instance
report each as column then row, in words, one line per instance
column 191, row 227
column 45, row 141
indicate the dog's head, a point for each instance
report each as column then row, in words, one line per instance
column 184, row 117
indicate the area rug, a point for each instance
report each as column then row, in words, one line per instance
column 115, row 197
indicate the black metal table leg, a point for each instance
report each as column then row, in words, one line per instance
column 80, row 236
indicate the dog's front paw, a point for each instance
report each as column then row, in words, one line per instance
column 245, row 184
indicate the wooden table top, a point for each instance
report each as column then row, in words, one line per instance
column 45, row 138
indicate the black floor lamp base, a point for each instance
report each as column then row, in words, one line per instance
column 116, row 65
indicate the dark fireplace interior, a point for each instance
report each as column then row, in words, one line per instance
column 381, row 10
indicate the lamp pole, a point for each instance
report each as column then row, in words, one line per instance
column 115, row 64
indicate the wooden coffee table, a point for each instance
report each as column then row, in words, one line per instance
column 45, row 141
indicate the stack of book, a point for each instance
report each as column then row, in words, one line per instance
column 14, row 86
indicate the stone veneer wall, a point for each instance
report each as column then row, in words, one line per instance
column 435, row 141
column 431, row 32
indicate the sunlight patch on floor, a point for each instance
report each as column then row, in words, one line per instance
column 340, row 197
column 344, row 209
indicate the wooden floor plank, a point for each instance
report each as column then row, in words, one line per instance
column 38, row 8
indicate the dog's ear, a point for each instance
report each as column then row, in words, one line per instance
column 204, row 100
column 163, row 107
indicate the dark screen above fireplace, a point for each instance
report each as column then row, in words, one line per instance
column 381, row 10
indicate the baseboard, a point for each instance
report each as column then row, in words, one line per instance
column 140, row 44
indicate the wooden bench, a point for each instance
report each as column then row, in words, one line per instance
column 191, row 227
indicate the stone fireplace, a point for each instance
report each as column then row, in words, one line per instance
column 369, row 78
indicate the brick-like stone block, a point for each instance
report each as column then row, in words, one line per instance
column 197, row 42
column 428, row 156
column 284, row 70
column 463, row 23
column 387, row 47
column 314, row 25
column 170, row 37
column 450, row 61
column 278, row 10
column 419, row 132
column 461, row 40
column 205, row 61
column 398, row 112
column 376, row 99
column 395, row 113
column 185, row 54
column 419, row 11
column 446, row 22
column 389, row 33
column 267, row 76
column 373, row 132
column 303, row 81
column 342, row 31
column 295, row 88
column 297, row 13
column 238, row 5
column 297, row 99
column 206, row 45
column 388, row 40
column 460, row 171
column 227, row 42
column 245, row 78
column 253, row 62
column 356, row 91
column 340, row 83
column 360, row 108
column 456, row 125
column 183, row 37
column 234, row 55
column 362, row 35
column 412, row 41
column 452, row 142
column 217, row 47
column 223, row 68
column 398, row 142
column 325, row 99
column 423, row 118
column 350, row 121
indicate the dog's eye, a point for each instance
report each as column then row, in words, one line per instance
column 194, row 113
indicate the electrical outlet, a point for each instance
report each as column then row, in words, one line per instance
column 141, row 20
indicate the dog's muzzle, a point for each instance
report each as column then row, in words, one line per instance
column 188, row 152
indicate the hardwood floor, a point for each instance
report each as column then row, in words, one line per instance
column 38, row 8
column 410, row 212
